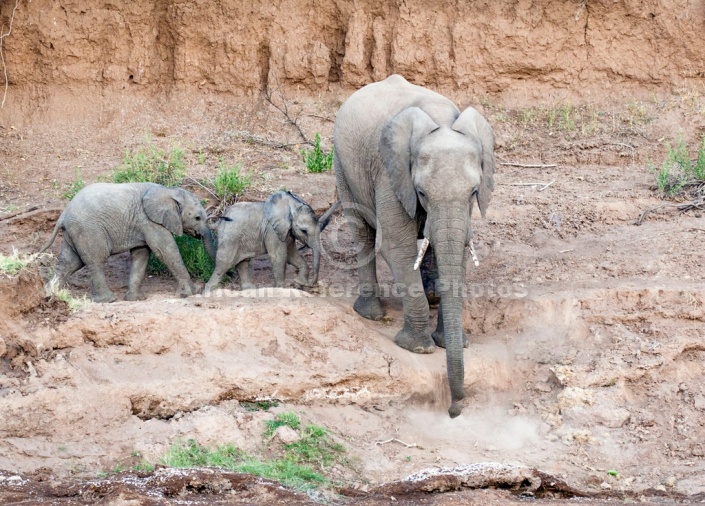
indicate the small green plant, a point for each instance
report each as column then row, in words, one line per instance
column 117, row 468
column 150, row 164
column 230, row 182
column 196, row 259
column 612, row 472
column 289, row 419
column 143, row 467
column 74, row 187
column 258, row 405
column 678, row 172
column 201, row 157
column 316, row 159
column 15, row 262
column 101, row 475
column 315, row 447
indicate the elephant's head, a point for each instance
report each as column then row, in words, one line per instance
column 288, row 214
column 179, row 211
column 444, row 170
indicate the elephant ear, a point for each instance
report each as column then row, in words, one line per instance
column 471, row 123
column 163, row 206
column 278, row 211
column 400, row 136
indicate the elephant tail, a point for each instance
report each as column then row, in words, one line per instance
column 212, row 221
column 325, row 219
column 57, row 227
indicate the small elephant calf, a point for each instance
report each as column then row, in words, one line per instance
column 105, row 219
column 250, row 229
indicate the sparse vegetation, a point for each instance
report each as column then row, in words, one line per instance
column 74, row 186
column 678, row 173
column 316, row 159
column 298, row 465
column 196, row 259
column 259, row 405
column 64, row 295
column 149, row 164
column 14, row 262
column 230, row 182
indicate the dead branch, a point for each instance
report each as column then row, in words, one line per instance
column 17, row 213
column 249, row 137
column 529, row 166
column 284, row 109
column 412, row 445
column 198, row 183
column 698, row 203
column 2, row 55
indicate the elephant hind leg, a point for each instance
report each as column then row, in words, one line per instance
column 243, row 270
column 224, row 260
column 69, row 262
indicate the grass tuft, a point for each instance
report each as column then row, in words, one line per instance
column 678, row 172
column 229, row 182
column 64, row 295
column 316, row 159
column 14, row 262
column 149, row 164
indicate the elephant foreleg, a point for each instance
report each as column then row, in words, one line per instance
column 139, row 257
column 294, row 258
column 415, row 335
column 278, row 259
column 162, row 243
column 224, row 260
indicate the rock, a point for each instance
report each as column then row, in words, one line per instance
column 605, row 486
column 286, row 435
column 671, row 481
column 699, row 400
column 573, row 396
column 3, row 347
column 613, row 418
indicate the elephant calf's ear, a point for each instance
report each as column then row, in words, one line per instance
column 398, row 144
column 160, row 207
column 277, row 210
column 472, row 123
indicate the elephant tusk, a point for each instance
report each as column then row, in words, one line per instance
column 474, row 256
column 422, row 252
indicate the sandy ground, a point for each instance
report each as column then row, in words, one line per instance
column 586, row 356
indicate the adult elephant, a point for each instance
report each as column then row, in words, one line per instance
column 408, row 165
column 105, row 219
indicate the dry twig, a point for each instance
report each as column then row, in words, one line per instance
column 17, row 213
column 529, row 166
column 412, row 445
column 544, row 187
column 2, row 55
column 698, row 203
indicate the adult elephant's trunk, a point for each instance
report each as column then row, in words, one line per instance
column 448, row 235
column 208, row 241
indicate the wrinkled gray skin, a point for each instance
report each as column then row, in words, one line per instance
column 250, row 229
column 105, row 219
column 409, row 164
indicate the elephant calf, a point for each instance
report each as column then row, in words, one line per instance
column 249, row 229
column 105, row 219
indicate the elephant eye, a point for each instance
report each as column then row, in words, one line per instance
column 198, row 218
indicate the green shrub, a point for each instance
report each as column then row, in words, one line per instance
column 74, row 187
column 316, row 159
column 150, row 164
column 230, row 182
column 678, row 172
column 194, row 254
column 15, row 262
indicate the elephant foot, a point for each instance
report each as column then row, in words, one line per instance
column 104, row 297
column 369, row 307
column 137, row 295
column 414, row 340
column 440, row 339
column 247, row 286
column 188, row 290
